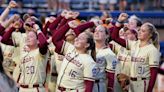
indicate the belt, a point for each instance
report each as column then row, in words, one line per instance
column 31, row 86
column 54, row 74
column 64, row 89
column 99, row 80
column 137, row 79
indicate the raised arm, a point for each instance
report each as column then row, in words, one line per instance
column 13, row 18
column 58, row 37
column 68, row 17
column 80, row 28
column 55, row 23
column 43, row 45
column 115, row 32
column 5, row 13
column 6, row 37
column 45, row 28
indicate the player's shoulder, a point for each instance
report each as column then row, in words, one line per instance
column 86, row 59
column 108, row 51
column 68, row 47
column 151, row 47
column 24, row 34
column 16, row 33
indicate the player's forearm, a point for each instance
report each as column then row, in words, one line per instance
column 88, row 85
column 45, row 28
column 63, row 22
column 2, row 30
column 110, row 77
column 58, row 38
column 8, row 22
column 153, row 75
column 43, row 45
column 7, row 35
column 4, row 14
column 115, row 36
column 79, row 29
column 54, row 24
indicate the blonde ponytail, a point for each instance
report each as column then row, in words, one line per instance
column 155, row 35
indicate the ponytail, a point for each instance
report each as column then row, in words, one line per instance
column 155, row 35
column 155, row 39
column 91, row 47
column 93, row 53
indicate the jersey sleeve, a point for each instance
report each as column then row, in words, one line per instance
column 67, row 47
column 115, row 47
column 154, row 56
column 16, row 36
column 90, row 70
column 111, row 62
column 130, row 44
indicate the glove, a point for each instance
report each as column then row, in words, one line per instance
column 124, row 81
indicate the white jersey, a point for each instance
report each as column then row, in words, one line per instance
column 142, row 59
column 75, row 68
column 19, row 41
column 54, row 58
column 106, row 61
column 33, row 67
column 124, row 56
column 8, row 62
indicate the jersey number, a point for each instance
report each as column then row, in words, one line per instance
column 30, row 69
column 140, row 70
column 72, row 73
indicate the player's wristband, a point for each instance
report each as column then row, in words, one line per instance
column 121, row 22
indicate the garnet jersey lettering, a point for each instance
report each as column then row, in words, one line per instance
column 143, row 58
column 75, row 68
column 124, row 56
column 33, row 67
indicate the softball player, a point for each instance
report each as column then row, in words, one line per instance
column 144, row 56
column 33, row 60
column 124, row 56
column 78, row 68
column 33, row 63
column 106, row 61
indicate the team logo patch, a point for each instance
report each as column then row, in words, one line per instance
column 114, row 63
column 100, row 60
column 95, row 71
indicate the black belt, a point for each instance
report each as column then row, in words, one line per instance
column 33, row 86
column 63, row 89
column 135, row 79
column 54, row 74
column 97, row 81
